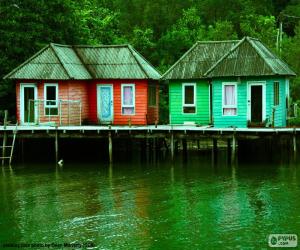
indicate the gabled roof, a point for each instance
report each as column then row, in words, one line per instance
column 63, row 62
column 198, row 59
column 249, row 58
column 246, row 57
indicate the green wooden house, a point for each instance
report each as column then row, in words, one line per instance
column 189, row 89
column 250, row 87
column 235, row 83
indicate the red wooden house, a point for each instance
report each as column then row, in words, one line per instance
column 64, row 84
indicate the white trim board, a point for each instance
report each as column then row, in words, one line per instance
column 183, row 98
column 264, row 101
column 22, row 106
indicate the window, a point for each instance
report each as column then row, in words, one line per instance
column 189, row 98
column 152, row 95
column 128, row 99
column 229, row 99
column 51, row 99
column 276, row 93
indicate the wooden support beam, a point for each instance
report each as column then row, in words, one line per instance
column 233, row 149
column 214, row 151
column 110, row 148
column 184, row 150
column 172, row 145
column 4, row 137
column 56, row 147
column 294, row 145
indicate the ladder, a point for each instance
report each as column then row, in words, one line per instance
column 4, row 146
column 4, row 143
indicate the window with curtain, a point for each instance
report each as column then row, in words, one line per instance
column 276, row 93
column 51, row 99
column 128, row 99
column 229, row 100
column 189, row 98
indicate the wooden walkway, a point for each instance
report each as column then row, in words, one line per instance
column 152, row 132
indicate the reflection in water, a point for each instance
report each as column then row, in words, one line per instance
column 140, row 206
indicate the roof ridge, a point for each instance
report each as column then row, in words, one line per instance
column 179, row 60
column 139, row 54
column 101, row 46
column 131, row 51
column 225, row 56
column 262, row 57
column 25, row 62
column 52, row 46
column 219, row 41
column 82, row 62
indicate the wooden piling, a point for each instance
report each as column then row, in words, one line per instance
column 214, row 151
column 233, row 149
column 172, row 146
column 294, row 144
column 110, row 148
column 56, row 146
column 184, row 149
column 4, row 137
column 229, row 151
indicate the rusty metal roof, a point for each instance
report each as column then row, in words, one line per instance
column 249, row 57
column 57, row 61
column 246, row 57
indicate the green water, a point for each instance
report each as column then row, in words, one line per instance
column 150, row 206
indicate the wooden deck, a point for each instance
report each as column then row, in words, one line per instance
column 170, row 133
column 151, row 128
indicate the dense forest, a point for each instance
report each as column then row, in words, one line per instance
column 161, row 30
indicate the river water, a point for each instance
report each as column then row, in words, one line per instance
column 134, row 205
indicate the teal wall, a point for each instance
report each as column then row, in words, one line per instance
column 240, row 120
column 202, row 115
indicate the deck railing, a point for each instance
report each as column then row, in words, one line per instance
column 48, row 112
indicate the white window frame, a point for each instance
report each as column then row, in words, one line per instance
column 22, row 104
column 45, row 98
column 122, row 99
column 223, row 98
column 183, row 98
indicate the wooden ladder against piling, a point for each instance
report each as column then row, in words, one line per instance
column 4, row 144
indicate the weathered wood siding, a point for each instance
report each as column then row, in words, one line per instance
column 241, row 119
column 67, row 90
column 202, row 115
column 153, row 111
column 141, row 101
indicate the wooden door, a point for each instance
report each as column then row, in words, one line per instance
column 105, row 103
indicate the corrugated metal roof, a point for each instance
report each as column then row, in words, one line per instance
column 57, row 61
column 246, row 57
column 196, row 61
column 249, row 58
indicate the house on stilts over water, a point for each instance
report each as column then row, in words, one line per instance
column 68, row 85
column 238, row 83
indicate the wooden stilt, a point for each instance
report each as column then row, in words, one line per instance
column 184, row 149
column 110, row 148
column 214, row 151
column 4, row 137
column 295, row 144
column 56, row 147
column 154, row 149
column 228, row 151
column 147, row 149
column 172, row 146
column 233, row 149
